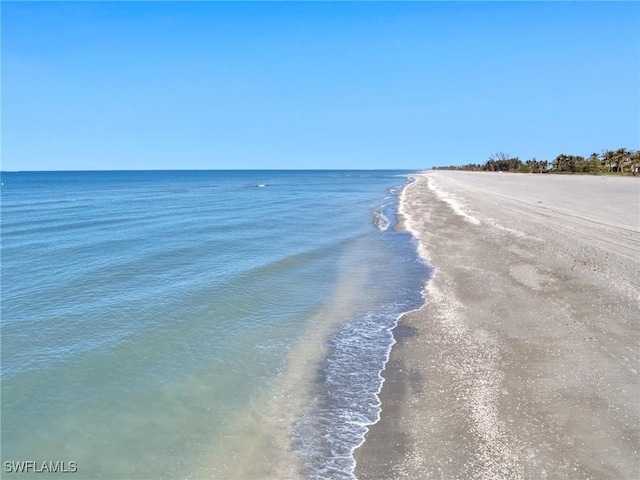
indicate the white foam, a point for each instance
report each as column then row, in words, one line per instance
column 381, row 221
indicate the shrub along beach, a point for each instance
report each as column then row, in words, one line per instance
column 620, row 161
column 524, row 362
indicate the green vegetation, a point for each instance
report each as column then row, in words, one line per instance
column 621, row 161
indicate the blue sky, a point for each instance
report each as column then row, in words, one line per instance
column 212, row 85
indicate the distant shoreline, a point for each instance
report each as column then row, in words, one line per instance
column 578, row 174
column 621, row 161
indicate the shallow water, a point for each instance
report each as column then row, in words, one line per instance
column 166, row 324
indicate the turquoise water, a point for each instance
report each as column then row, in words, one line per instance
column 198, row 324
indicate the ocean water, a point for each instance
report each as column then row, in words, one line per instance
column 198, row 324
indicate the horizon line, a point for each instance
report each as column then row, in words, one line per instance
column 218, row 170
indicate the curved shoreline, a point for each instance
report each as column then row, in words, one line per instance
column 524, row 361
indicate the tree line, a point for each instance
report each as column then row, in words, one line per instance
column 609, row 161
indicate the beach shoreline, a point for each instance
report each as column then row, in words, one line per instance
column 524, row 361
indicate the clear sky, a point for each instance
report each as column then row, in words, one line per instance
column 212, row 85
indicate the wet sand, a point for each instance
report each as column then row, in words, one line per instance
column 524, row 362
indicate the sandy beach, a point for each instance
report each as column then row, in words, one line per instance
column 523, row 364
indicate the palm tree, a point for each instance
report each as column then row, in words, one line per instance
column 623, row 159
column 635, row 162
column 532, row 165
column 608, row 160
column 593, row 165
column 544, row 165
column 560, row 163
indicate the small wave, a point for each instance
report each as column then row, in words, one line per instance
column 380, row 220
column 348, row 402
column 345, row 399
